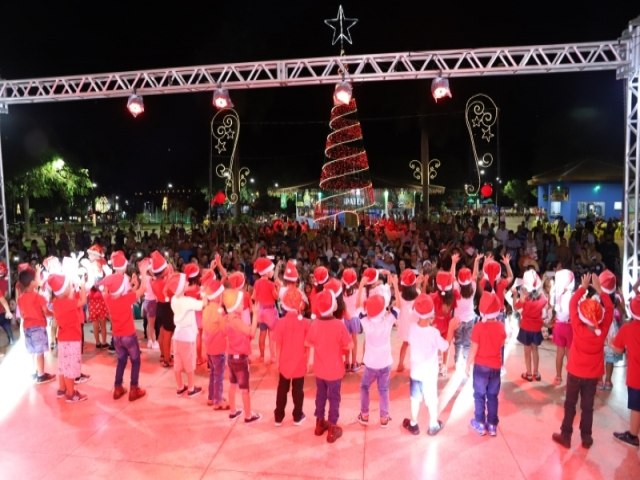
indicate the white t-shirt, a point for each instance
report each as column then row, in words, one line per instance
column 464, row 306
column 377, row 336
column 424, row 343
column 350, row 305
column 184, row 316
column 148, row 293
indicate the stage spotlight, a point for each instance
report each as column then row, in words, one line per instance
column 221, row 99
column 342, row 93
column 135, row 105
column 440, row 88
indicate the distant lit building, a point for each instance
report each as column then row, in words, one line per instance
column 581, row 190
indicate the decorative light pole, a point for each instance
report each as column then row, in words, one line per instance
column 432, row 172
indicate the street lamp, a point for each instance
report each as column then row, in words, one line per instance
column 418, row 173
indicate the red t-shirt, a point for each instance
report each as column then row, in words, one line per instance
column 501, row 287
column 263, row 290
column 4, row 286
column 121, row 312
column 531, row 318
column 157, row 285
column 290, row 334
column 215, row 342
column 628, row 338
column 239, row 343
column 443, row 314
column 329, row 339
column 490, row 337
column 586, row 356
column 69, row 318
column 32, row 306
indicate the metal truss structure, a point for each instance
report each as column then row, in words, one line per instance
column 622, row 55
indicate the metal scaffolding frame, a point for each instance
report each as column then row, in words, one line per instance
column 622, row 55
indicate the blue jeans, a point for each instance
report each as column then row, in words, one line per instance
column 462, row 340
column 216, row 376
column 328, row 390
column 6, row 325
column 486, row 386
column 127, row 347
column 381, row 376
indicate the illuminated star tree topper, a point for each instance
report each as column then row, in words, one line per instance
column 341, row 26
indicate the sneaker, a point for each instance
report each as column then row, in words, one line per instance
column 435, row 430
column 156, row 346
column 321, row 426
column 180, row 391
column 76, row 397
column 299, row 422
column 335, row 432
column 45, row 378
column 82, row 379
column 277, row 423
column 61, row 393
column 384, row 422
column 195, row 392
column 118, row 392
column 626, row 437
column 355, row 367
column 136, row 393
column 149, row 344
column 478, row 427
column 111, row 349
column 413, row 429
column 363, row 420
column 561, row 439
column 492, row 430
column 253, row 418
column 234, row 415
column 587, row 441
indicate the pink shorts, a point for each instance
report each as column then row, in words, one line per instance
column 184, row 356
column 562, row 334
column 69, row 359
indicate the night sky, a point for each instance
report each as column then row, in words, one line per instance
column 544, row 120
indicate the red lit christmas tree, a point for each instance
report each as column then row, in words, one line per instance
column 345, row 181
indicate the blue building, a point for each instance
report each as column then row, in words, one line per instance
column 587, row 189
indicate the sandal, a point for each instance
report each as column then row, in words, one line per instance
column 537, row 376
column 608, row 386
column 221, row 406
column 527, row 376
column 557, row 381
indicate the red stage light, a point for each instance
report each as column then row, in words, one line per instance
column 135, row 105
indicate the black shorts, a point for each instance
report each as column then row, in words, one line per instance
column 164, row 316
column 633, row 403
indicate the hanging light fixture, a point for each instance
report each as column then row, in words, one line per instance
column 342, row 93
column 440, row 88
column 221, row 99
column 135, row 105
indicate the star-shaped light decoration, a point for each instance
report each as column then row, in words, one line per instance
column 486, row 134
column 477, row 121
column 343, row 24
column 221, row 146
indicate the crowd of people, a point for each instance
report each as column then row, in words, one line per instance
column 329, row 299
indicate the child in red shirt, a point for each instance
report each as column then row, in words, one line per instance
column 292, row 355
column 329, row 338
column 120, row 305
column 628, row 341
column 67, row 310
column 590, row 321
column 33, row 311
column 487, row 340
column 265, row 294
column 215, row 342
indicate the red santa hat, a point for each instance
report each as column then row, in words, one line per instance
column 591, row 312
column 564, row 281
column 326, row 303
column 607, row 281
column 444, row 281
column 292, row 301
column 464, row 276
column 213, row 289
column 207, row 276
column 3, row 269
column 489, row 306
column 232, row 300
column 158, row 262
column 291, row 271
column 407, row 277
column 371, row 274
column 114, row 283
column 236, row 280
column 491, row 270
column 176, row 284
column 262, row 266
column 374, row 306
column 22, row 267
column 320, row 275
column 118, row 260
column 57, row 283
column 349, row 277
column 334, row 286
column 95, row 250
column 191, row 270
column 531, row 281
column 423, row 306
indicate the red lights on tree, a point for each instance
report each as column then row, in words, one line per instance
column 486, row 191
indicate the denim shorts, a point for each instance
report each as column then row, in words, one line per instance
column 415, row 389
column 633, row 402
column 529, row 338
column 36, row 340
column 353, row 325
column 610, row 357
column 149, row 307
column 239, row 371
